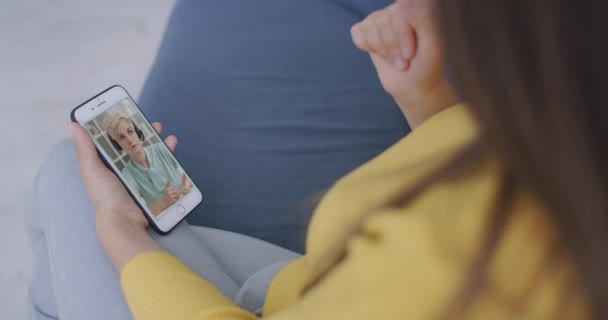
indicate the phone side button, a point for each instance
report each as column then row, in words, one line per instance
column 181, row 209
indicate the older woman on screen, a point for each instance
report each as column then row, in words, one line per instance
column 151, row 170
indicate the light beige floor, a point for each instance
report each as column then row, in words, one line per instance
column 53, row 55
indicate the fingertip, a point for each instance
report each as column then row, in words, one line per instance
column 357, row 37
column 399, row 63
column 75, row 129
column 157, row 126
column 70, row 126
column 353, row 32
column 77, row 132
column 406, row 51
column 171, row 142
column 354, row 28
column 85, row 148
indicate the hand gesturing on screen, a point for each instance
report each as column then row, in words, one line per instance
column 186, row 185
column 170, row 195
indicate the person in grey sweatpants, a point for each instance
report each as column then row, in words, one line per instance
column 272, row 103
column 73, row 277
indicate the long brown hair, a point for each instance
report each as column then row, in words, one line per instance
column 533, row 74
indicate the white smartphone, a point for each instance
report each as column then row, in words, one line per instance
column 128, row 145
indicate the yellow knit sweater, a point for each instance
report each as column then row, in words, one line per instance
column 407, row 263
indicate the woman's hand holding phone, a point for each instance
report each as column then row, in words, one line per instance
column 404, row 46
column 121, row 225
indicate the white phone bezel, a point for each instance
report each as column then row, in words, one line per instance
column 176, row 212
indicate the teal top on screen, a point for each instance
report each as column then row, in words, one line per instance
column 151, row 182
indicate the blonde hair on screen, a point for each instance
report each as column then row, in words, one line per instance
column 110, row 124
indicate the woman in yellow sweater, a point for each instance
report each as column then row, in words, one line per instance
column 490, row 210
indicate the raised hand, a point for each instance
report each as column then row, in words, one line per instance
column 170, row 195
column 186, row 185
column 404, row 46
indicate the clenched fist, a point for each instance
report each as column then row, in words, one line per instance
column 404, row 45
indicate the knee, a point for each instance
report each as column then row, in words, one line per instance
column 58, row 178
column 60, row 163
column 61, row 152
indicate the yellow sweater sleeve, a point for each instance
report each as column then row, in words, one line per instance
column 157, row 285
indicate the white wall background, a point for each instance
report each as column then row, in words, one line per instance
column 54, row 55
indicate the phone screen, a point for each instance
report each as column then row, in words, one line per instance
column 142, row 160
